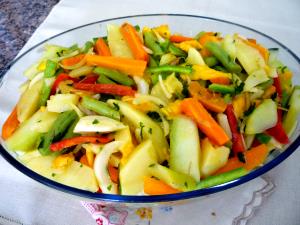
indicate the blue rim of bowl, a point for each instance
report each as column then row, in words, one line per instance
column 155, row 198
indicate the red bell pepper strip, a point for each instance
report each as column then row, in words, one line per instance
column 89, row 79
column 278, row 86
column 69, row 142
column 237, row 137
column 61, row 77
column 277, row 131
column 114, row 89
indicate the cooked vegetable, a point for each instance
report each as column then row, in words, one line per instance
column 262, row 118
column 221, row 178
column 57, row 130
column 148, row 111
column 99, row 107
column 114, row 75
column 132, row 179
column 185, row 147
column 191, row 107
column 10, row 125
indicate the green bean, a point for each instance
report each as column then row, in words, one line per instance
column 211, row 61
column 50, row 68
column 170, row 68
column 152, row 62
column 114, row 75
column 99, row 107
column 102, row 79
column 57, row 131
column 150, row 42
column 88, row 45
column 221, row 178
column 221, row 88
column 70, row 133
column 263, row 138
column 266, row 84
column 176, row 51
column 165, row 45
column 220, row 68
column 45, row 93
column 223, row 57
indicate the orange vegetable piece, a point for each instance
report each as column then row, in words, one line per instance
column 72, row 60
column 128, row 66
column 179, row 38
column 134, row 42
column 253, row 157
column 113, row 173
column 102, row 48
column 220, row 80
column 207, row 37
column 206, row 123
column 153, row 186
column 84, row 160
column 10, row 125
column 211, row 101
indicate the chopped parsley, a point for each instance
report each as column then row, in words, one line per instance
column 141, row 130
column 53, row 174
column 95, row 121
column 150, row 130
column 185, row 184
column 151, row 165
column 81, row 165
column 109, row 187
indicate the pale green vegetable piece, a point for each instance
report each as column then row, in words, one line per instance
column 62, row 102
column 262, row 118
column 194, row 57
column 174, row 179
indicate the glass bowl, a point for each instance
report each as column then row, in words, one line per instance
column 189, row 25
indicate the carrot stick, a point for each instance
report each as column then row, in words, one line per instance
column 113, row 173
column 153, row 186
column 179, row 38
column 206, row 123
column 134, row 42
column 10, row 125
column 253, row 157
column 72, row 60
column 101, row 47
column 128, row 66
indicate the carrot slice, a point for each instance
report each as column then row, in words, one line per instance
column 253, row 157
column 72, row 60
column 206, row 123
column 10, row 125
column 179, row 38
column 153, row 186
column 113, row 173
column 102, row 48
column 128, row 66
column 134, row 42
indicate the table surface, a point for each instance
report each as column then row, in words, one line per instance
column 279, row 19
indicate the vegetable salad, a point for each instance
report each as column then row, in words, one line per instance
column 147, row 111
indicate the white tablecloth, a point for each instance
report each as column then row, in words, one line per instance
column 279, row 19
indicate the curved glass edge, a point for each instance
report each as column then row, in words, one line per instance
column 155, row 198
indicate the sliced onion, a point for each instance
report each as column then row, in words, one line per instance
column 139, row 98
column 148, row 50
column 142, row 85
column 163, row 87
column 83, row 70
column 223, row 121
column 37, row 78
